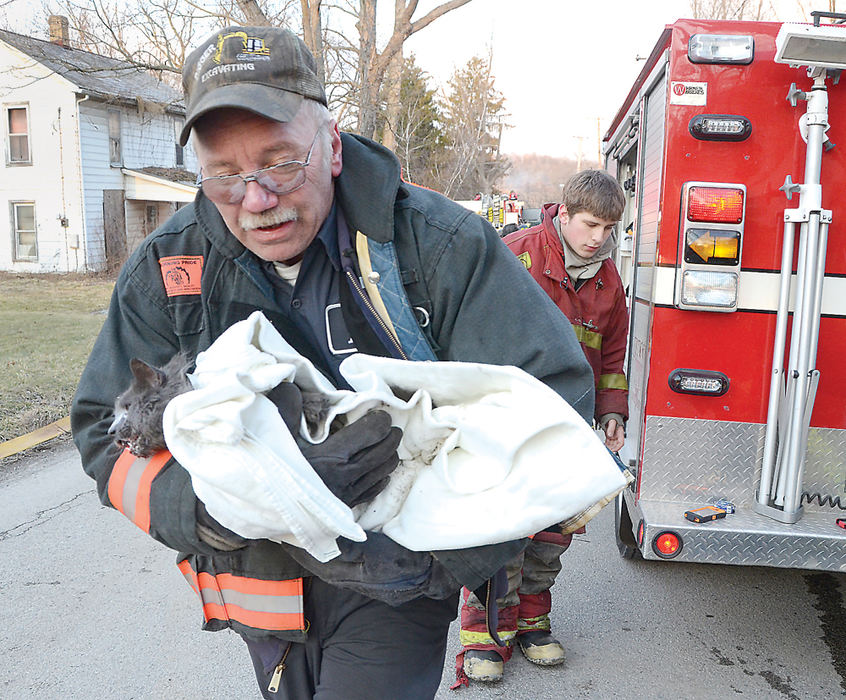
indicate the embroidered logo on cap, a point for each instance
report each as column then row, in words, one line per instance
column 181, row 274
column 252, row 46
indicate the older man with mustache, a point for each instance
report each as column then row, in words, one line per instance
column 316, row 229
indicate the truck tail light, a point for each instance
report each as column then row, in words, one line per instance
column 667, row 544
column 721, row 48
column 720, row 127
column 712, row 246
column 709, row 255
column 715, row 205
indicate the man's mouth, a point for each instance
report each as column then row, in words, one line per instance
column 271, row 227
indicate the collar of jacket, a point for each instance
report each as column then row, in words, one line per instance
column 366, row 189
column 553, row 264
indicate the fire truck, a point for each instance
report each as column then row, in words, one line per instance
column 726, row 149
column 499, row 209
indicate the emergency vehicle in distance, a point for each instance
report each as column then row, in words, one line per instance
column 499, row 209
column 737, row 295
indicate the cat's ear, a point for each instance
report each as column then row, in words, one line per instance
column 145, row 374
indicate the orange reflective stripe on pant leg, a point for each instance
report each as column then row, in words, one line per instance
column 130, row 484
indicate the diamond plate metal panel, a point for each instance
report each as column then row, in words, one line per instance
column 689, row 460
column 747, row 538
column 825, row 466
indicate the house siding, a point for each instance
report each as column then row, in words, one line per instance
column 147, row 139
column 71, row 166
column 137, row 226
column 52, row 179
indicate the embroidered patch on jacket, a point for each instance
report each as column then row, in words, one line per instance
column 181, row 274
column 526, row 259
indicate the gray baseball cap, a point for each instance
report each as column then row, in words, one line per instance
column 266, row 70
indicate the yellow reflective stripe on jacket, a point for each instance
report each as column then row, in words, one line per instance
column 590, row 338
column 613, row 381
column 264, row 605
column 467, row 637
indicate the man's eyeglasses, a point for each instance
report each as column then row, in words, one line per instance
column 282, row 178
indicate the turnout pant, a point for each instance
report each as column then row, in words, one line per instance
column 526, row 604
column 358, row 648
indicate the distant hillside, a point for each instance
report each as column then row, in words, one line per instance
column 537, row 179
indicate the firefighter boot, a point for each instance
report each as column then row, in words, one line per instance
column 541, row 648
column 482, row 665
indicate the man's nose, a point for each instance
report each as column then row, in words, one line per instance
column 257, row 199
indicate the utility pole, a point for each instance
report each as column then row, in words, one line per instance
column 598, row 143
column 579, row 156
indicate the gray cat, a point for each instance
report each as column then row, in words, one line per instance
column 139, row 409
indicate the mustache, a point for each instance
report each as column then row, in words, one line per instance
column 272, row 217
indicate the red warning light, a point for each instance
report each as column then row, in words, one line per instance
column 667, row 545
column 722, row 205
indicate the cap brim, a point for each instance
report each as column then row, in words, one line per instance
column 273, row 103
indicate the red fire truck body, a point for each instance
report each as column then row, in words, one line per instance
column 702, row 148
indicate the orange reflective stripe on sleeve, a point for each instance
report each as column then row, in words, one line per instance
column 264, row 605
column 130, row 483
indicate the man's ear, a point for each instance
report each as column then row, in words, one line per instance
column 563, row 216
column 337, row 162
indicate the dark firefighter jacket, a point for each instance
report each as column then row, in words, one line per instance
column 451, row 290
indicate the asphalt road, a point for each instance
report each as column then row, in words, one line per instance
column 93, row 608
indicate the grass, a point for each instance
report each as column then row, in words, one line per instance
column 49, row 323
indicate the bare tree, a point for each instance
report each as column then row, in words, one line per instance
column 474, row 115
column 313, row 33
column 374, row 74
column 419, row 139
column 158, row 34
column 732, row 9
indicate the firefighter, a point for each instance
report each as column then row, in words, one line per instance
column 316, row 229
column 568, row 254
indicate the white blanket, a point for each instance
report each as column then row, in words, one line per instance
column 488, row 454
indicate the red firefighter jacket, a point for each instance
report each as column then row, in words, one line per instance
column 597, row 309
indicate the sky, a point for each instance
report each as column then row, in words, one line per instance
column 563, row 66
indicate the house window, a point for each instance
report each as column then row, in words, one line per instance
column 114, row 138
column 180, row 154
column 23, row 224
column 17, row 128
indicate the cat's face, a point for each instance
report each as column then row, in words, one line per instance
column 138, row 410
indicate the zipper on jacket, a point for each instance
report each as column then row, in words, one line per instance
column 388, row 333
column 273, row 686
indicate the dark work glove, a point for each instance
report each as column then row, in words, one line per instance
column 354, row 462
column 214, row 534
column 381, row 569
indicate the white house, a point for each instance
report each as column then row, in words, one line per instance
column 92, row 163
